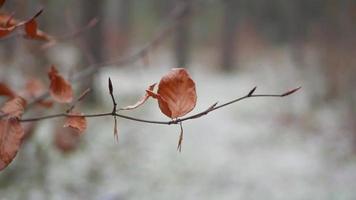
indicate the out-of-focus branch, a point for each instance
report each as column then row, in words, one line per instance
column 177, row 14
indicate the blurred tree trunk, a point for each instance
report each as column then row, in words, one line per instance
column 124, row 25
column 183, row 37
column 231, row 19
column 92, row 39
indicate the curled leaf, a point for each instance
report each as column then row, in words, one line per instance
column 142, row 100
column 14, row 107
column 78, row 123
column 32, row 31
column 31, row 28
column 6, row 91
column 11, row 136
column 60, row 89
column 177, row 95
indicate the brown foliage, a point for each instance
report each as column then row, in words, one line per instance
column 11, row 136
column 6, row 91
column 14, row 108
column 78, row 123
column 66, row 139
column 60, row 89
column 176, row 94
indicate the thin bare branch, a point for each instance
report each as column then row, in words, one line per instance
column 166, row 29
column 175, row 121
column 80, row 98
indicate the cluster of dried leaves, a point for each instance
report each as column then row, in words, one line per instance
column 175, row 94
column 8, row 25
column 11, row 131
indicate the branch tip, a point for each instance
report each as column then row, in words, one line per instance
column 290, row 92
column 110, row 86
column 38, row 13
column 252, row 91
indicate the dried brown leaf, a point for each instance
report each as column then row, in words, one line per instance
column 2, row 3
column 31, row 28
column 14, row 107
column 45, row 103
column 177, row 94
column 6, row 31
column 66, row 139
column 11, row 136
column 60, row 89
column 35, row 87
column 6, row 91
column 78, row 123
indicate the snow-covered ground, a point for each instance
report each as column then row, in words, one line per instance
column 276, row 148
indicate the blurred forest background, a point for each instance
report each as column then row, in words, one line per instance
column 274, row 44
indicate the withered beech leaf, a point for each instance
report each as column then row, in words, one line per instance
column 66, row 139
column 10, row 21
column 6, row 91
column 7, row 24
column 78, row 123
column 142, row 100
column 7, row 20
column 11, row 136
column 2, row 3
column 32, row 31
column 45, row 103
column 35, row 87
column 6, row 31
column 14, row 107
column 60, row 89
column 31, row 28
column 176, row 93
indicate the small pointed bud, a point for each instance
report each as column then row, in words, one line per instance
column 252, row 91
column 110, row 86
column 290, row 92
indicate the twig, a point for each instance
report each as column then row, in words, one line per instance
column 175, row 121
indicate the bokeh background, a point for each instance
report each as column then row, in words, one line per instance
column 298, row 147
